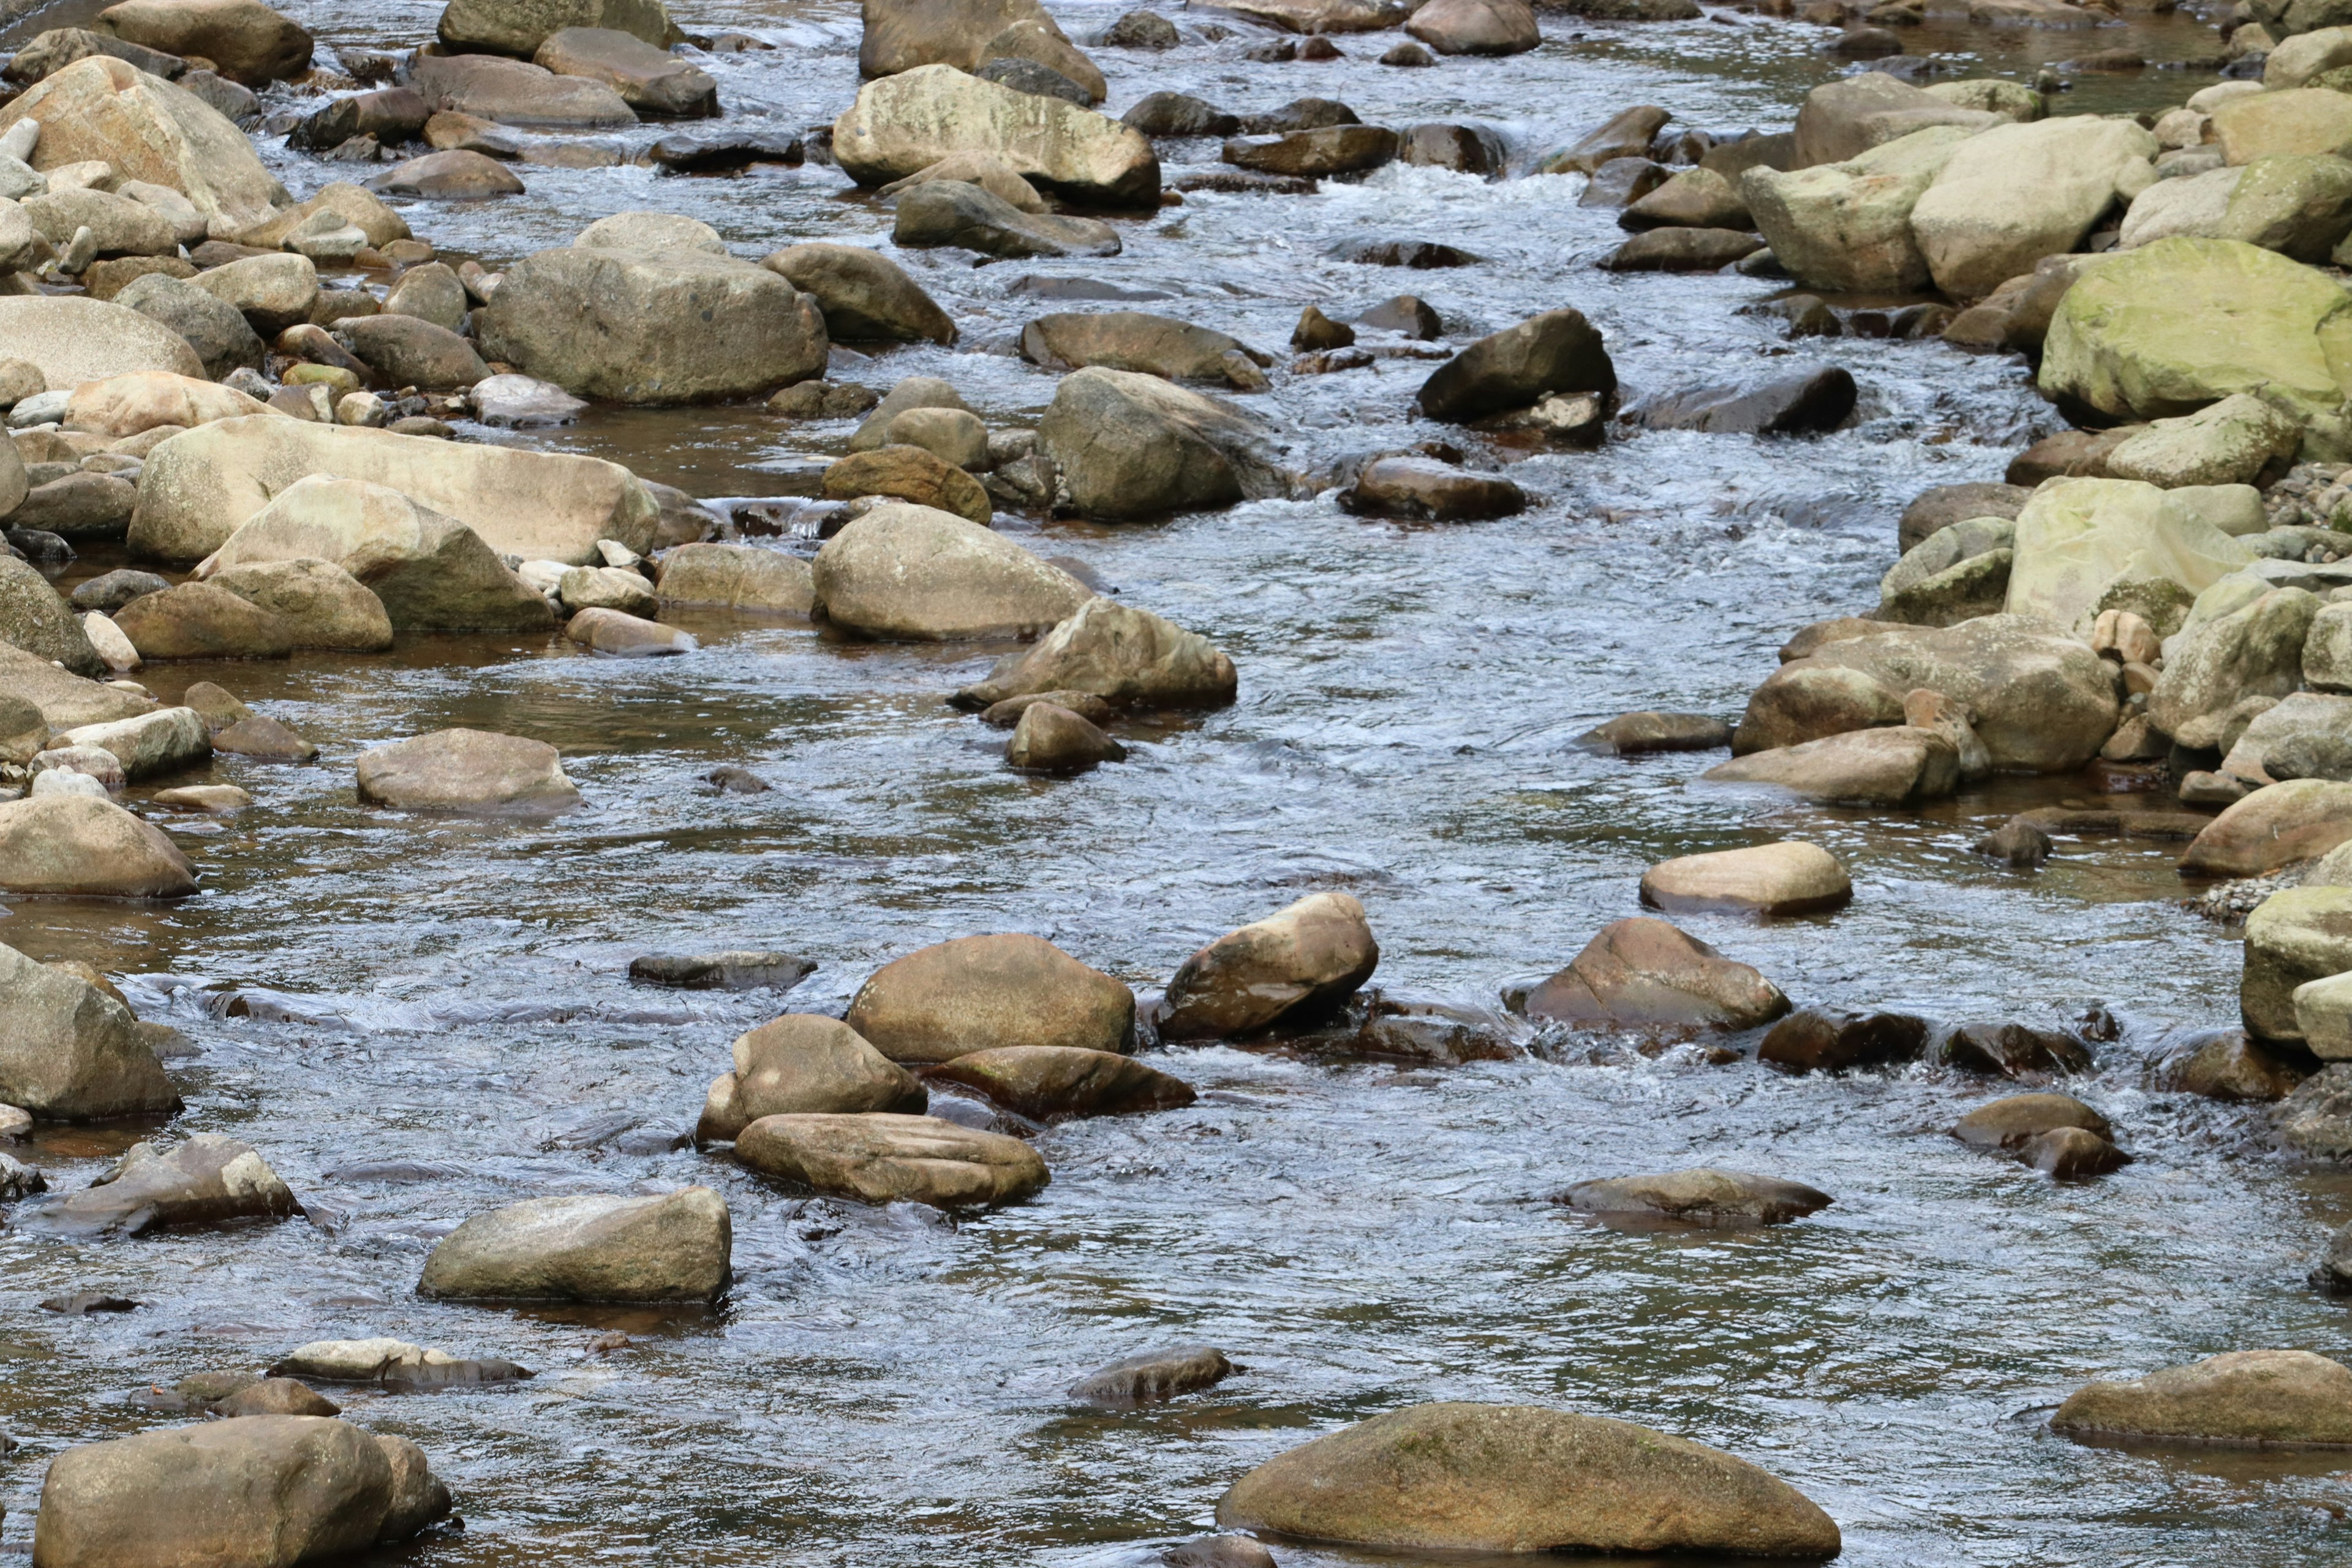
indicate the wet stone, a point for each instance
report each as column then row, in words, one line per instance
column 1705, row 1199
column 1820, row 1039
column 735, row 970
column 2021, row 843
column 1154, row 1376
column 2013, row 1051
column 82, row 1302
column 1638, row 734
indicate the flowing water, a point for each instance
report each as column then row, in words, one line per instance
column 884, row 1388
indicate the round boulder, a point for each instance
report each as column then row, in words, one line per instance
column 1783, row 879
column 1295, row 967
column 474, row 771
column 803, row 1064
column 883, row 1159
column 980, row 993
column 912, row 573
column 79, row 845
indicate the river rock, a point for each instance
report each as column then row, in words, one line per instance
column 1153, row 1376
column 910, row 572
column 118, row 226
column 208, row 1180
column 275, row 1396
column 2268, row 1399
column 515, row 92
column 953, row 212
column 1828, row 1040
column 1783, row 879
column 604, row 588
column 264, row 1489
column 980, row 993
column 196, row 620
column 735, row 970
column 650, row 80
column 1638, row 734
column 2273, row 826
column 1125, row 654
column 506, row 27
column 1051, row 1083
column 1644, row 974
column 428, row 571
column 1129, row 445
column 912, row 474
column 802, row 1064
column 882, row 1158
column 2315, row 1120
column 1558, row 351
column 2233, row 442
column 1134, row 341
column 1940, row 506
column 1476, row 26
column 473, row 771
column 263, row 739
column 673, row 1246
column 1846, row 226
column 1844, row 118
column 1502, row 1477
column 863, row 295
column 1315, row 153
column 2013, row 1051
column 34, row 619
column 1423, row 487
column 72, row 340
column 71, row 1052
column 652, row 327
column 2011, row 194
column 1693, row 198
column 148, row 131
column 738, row 576
column 1798, row 402
column 407, row 351
column 2230, row 1066
column 1628, row 133
column 906, row 122
column 1704, row 1198
column 245, row 40
column 903, row 35
column 2294, row 936
column 986, row 169
column 164, row 742
column 272, row 292
column 617, row 632
column 2255, row 651
column 322, row 605
column 451, row 174
column 2085, row 545
column 124, row 406
column 110, row 591
column 63, row 699
column 1050, row 739
column 1900, row 766
column 198, row 487
column 1292, row 969
column 1954, row 574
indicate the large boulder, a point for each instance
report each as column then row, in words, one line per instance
column 912, row 573
column 1787, row 877
column 883, row 1159
column 77, row 845
column 2293, row 937
column 208, row 1180
column 2296, row 120
column 409, row 351
column 2231, row 442
column 1846, row 226
column 1520, row 1478
column 1557, row 350
column 1294, row 968
column 34, row 619
column 124, row 406
column 2013, row 194
column 1127, row 655
column 737, row 576
column 673, row 1246
column 515, row 92
column 430, row 572
column 2297, row 205
column 71, row 1052
column 61, row 698
column 2254, row 652
column 149, row 129
column 2306, row 735
column 196, row 620
column 863, row 295
column 472, row 771
column 802, row 1064
column 902, row 35
column 2081, row 545
column 264, row 1490
column 1644, row 974
column 1844, row 118
column 2275, row 825
column 118, row 226
column 1132, row 340
column 272, row 292
column 646, row 326
column 2266, row 1399
column 1477, row 26
column 904, row 124
column 2042, row 702
column 199, row 488
column 2169, row 328
column 1129, row 445
column 649, row 79
column 72, row 339
column 245, row 40
column 978, row 993
column 1905, row 766
column 519, row 26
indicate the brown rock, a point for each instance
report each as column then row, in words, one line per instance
column 197, row 620
column 802, row 1064
column 1050, row 739
column 1705, row 1198
column 1291, row 968
column 1644, row 974
column 2254, row 1398
column 1636, row 734
column 882, row 1159
column 1051, row 1083
column 912, row 474
column 1424, row 488
column 980, row 993
column 2013, row 1122
column 2229, row 1065
column 1820, row 1039
column 1783, row 879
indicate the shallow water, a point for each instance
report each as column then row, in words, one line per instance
column 884, row 1388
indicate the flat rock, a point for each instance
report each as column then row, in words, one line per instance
column 2284, row 1399
column 1784, row 879
column 1154, row 1376
column 674, row 1246
column 1048, row 1083
column 734, row 969
column 1638, row 734
column 882, row 1158
column 466, row 770
column 1705, row 1198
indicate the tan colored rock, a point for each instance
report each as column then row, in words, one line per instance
column 1889, row 768
column 905, row 124
column 1124, row 655
column 196, row 620
column 912, row 474
column 867, row 296
column 71, row 1052
column 2293, row 937
column 1645, row 973
column 63, row 699
column 883, row 1159
column 208, row 1180
column 802, row 1064
column 124, row 406
column 76, row 845
column 673, row 1246
column 979, row 992
column 912, row 573
column 519, row 26
column 2013, row 194
column 323, row 606
column 245, row 40
column 1783, row 879
column 164, row 742
column 72, row 340
column 473, row 771
column 986, row 169
column 1705, row 1198
column 902, row 35
column 1050, row 1083
column 1293, row 967
column 2288, row 1399
column 737, row 576
column 198, row 487
column 2297, row 120
column 2273, row 826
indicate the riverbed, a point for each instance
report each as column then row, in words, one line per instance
column 417, row 1020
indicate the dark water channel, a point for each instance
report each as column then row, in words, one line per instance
column 884, row 1388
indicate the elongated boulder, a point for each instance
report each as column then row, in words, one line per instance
column 1127, row 655
column 2287, row 1399
column 738, row 576
column 130, row 405
column 1905, row 766
column 515, row 92
column 2293, row 937
column 2231, row 442
column 802, row 1064
column 471, row 770
column 1558, row 351
column 2273, row 826
column 643, row 326
column 1050, row 1083
column 883, row 1159
column 1164, row 1375
column 674, row 1246
column 1293, row 967
column 208, row 1180
column 1129, row 446
column 2081, row 545
column 150, row 130
column 197, row 489
column 1643, row 973
column 912, row 573
column 1477, row 26
column 2011, row 194
column 863, row 295
column 1130, row 340
column 429, row 572
column 649, row 79
column 979, row 992
column 904, row 124
column 265, row 1491
column 1844, row 118
column 245, row 40
column 163, row 742
column 63, row 700
column 72, row 339
column 1783, row 879
column 71, row 1052
column 79, row 846
column 903, row 35
column 1515, row 1477
column 519, row 26
column 1704, row 1198
column 2167, row 329
column 1846, row 226
column 196, row 620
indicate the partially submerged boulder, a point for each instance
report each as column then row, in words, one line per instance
column 78, row 845
column 1127, row 446
column 914, row 574
column 1704, row 1198
column 2269, row 1399
column 1905, row 766
column 883, row 1158
column 71, row 1052
column 476, row 772
column 1557, row 352
column 1644, row 975
column 673, row 1246
column 208, row 1180
column 1293, row 968
column 904, row 124
column 1125, row 654
column 904, row 34
column 862, row 294
column 1787, row 877
column 980, row 993
column 1049, row 1083
column 802, row 1064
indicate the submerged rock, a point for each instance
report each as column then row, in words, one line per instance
column 1292, row 969
column 1046, row 1083
column 2230, row 1066
column 2287, row 1399
column 1705, row 1199
column 205, row 1180
column 1050, row 739
column 2013, row 1050
column 1637, row 734
column 591, row 1248
column 1885, row 767
column 1504, row 1477
column 1644, row 974
column 1154, row 1376
column 882, row 1158
column 982, row 992
column 2015, row 1123
column 734, row 970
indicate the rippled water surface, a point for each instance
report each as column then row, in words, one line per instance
column 884, row 1387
